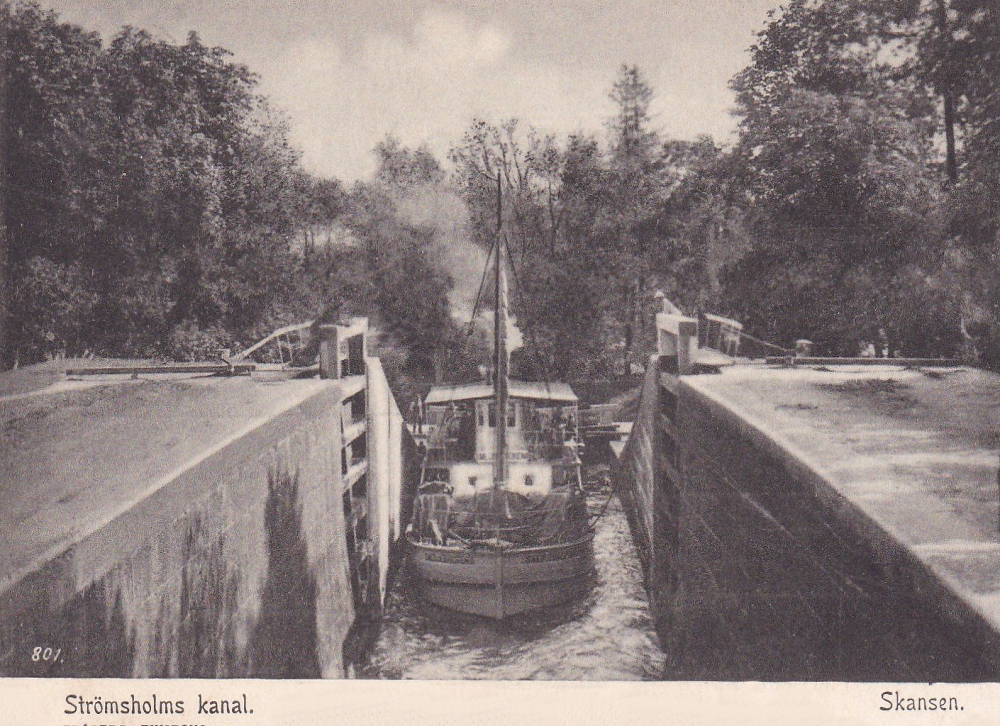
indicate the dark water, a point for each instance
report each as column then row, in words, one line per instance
column 607, row 635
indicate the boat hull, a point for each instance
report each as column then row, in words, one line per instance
column 498, row 583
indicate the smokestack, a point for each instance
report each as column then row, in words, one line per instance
column 438, row 366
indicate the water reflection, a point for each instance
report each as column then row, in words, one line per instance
column 608, row 635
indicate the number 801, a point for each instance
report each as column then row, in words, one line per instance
column 46, row 654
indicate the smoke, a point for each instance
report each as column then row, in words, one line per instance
column 515, row 339
column 435, row 207
column 444, row 211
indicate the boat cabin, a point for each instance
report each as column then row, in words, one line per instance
column 460, row 424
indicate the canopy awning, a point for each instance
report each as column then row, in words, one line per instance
column 556, row 392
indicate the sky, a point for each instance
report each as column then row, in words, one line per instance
column 348, row 72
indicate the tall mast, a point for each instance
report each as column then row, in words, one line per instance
column 500, row 383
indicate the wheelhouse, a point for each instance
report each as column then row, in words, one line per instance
column 459, row 430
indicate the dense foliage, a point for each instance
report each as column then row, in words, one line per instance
column 154, row 205
column 858, row 204
column 866, row 170
column 147, row 187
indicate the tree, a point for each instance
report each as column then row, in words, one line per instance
column 974, row 213
column 705, row 220
column 639, row 188
column 407, row 287
column 838, row 157
column 634, row 144
column 551, row 197
column 48, row 71
column 401, row 168
column 147, row 177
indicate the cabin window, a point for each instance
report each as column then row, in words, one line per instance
column 529, row 480
column 511, row 415
column 482, row 416
column 472, row 481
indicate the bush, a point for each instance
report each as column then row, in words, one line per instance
column 188, row 343
column 54, row 308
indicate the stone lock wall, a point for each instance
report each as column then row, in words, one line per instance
column 239, row 565
column 755, row 572
column 641, row 477
column 775, row 582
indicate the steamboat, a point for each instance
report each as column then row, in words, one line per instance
column 500, row 523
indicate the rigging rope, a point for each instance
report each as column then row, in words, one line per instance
column 604, row 507
column 531, row 333
column 482, row 284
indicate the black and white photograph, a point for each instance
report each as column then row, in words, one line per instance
column 562, row 340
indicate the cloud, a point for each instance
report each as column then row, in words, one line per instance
column 448, row 38
column 423, row 84
column 350, row 71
